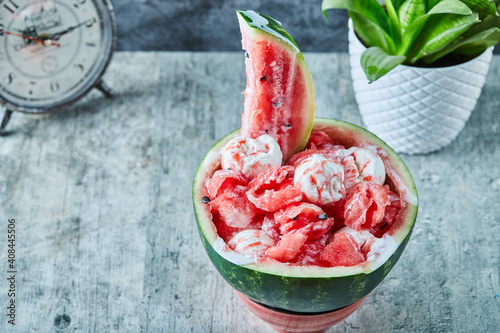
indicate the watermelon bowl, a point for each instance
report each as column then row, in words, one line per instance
column 307, row 298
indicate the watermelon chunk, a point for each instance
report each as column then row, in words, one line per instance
column 223, row 180
column 274, row 189
column 303, row 218
column 279, row 98
column 288, row 247
column 365, row 205
column 343, row 251
column 391, row 214
column 234, row 208
column 310, row 253
column 321, row 140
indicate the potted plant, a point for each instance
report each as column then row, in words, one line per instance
column 418, row 66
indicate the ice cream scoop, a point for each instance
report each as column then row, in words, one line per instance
column 321, row 180
column 251, row 156
column 360, row 164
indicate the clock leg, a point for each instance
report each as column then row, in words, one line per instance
column 5, row 120
column 105, row 89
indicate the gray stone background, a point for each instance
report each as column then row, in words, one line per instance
column 211, row 25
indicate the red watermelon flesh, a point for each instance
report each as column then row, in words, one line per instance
column 288, row 247
column 223, row 180
column 234, row 209
column 279, row 97
column 274, row 189
column 365, row 205
column 343, row 251
column 303, row 231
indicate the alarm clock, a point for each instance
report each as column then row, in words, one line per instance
column 53, row 52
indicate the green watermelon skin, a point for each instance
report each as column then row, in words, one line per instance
column 300, row 294
column 310, row 291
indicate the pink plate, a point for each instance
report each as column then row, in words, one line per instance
column 293, row 322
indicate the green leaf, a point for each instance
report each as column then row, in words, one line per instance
column 394, row 21
column 410, row 11
column 410, row 36
column 370, row 33
column 450, row 7
column 370, row 9
column 472, row 45
column 444, row 29
column 482, row 6
column 490, row 21
column 376, row 63
column 398, row 3
column 432, row 3
column 484, row 40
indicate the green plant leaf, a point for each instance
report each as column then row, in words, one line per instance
column 490, row 21
column 443, row 30
column 394, row 21
column 397, row 4
column 370, row 9
column 376, row 62
column 484, row 40
column 482, row 6
column 410, row 36
column 432, row 3
column 409, row 11
column 473, row 45
column 450, row 7
column 370, row 33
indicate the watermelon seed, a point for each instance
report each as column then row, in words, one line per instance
column 246, row 55
column 205, row 199
column 267, row 131
column 287, row 125
column 322, row 216
column 276, row 104
column 294, row 218
column 262, row 79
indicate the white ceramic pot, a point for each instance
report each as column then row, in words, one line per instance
column 417, row 110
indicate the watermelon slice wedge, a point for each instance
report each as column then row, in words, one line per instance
column 279, row 98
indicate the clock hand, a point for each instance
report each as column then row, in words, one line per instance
column 58, row 35
column 46, row 42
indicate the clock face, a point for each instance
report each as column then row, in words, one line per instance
column 52, row 51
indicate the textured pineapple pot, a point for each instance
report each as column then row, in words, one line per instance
column 295, row 298
column 417, row 110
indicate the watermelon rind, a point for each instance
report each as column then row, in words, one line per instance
column 308, row 289
column 269, row 25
